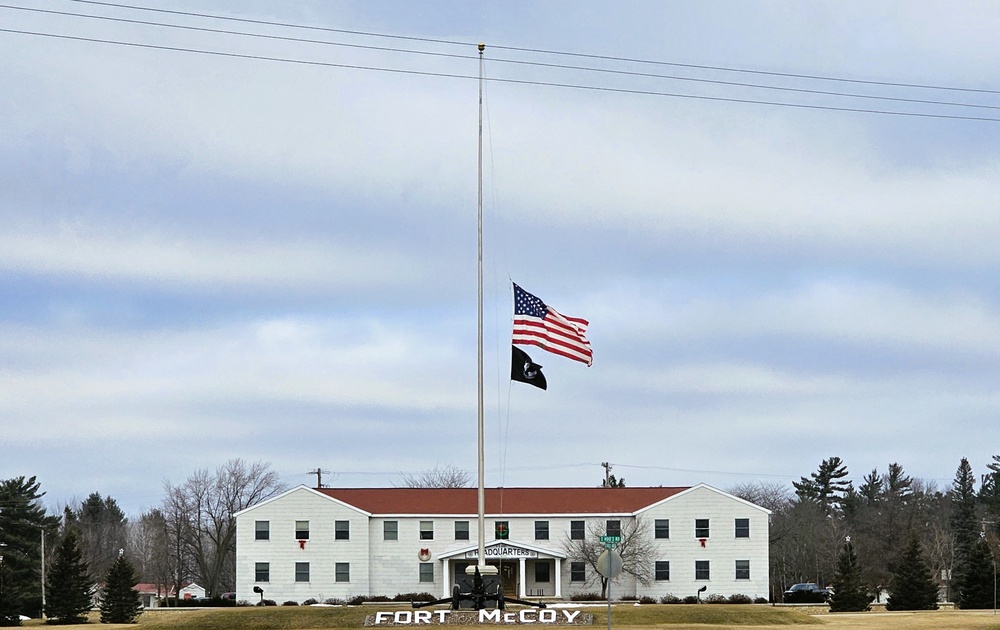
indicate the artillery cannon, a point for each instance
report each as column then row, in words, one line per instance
column 477, row 593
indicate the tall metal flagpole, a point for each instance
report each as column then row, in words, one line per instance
column 482, row 566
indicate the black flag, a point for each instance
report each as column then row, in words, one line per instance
column 524, row 370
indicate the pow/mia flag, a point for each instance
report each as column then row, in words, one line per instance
column 524, row 370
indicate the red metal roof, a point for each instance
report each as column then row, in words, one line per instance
column 501, row 500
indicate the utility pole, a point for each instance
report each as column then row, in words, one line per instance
column 319, row 476
column 607, row 474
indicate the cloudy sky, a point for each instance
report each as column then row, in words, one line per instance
column 248, row 229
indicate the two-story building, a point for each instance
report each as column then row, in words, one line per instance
column 343, row 542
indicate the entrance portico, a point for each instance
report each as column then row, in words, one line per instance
column 527, row 570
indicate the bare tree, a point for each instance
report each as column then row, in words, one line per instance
column 149, row 548
column 450, row 476
column 636, row 549
column 772, row 495
column 202, row 513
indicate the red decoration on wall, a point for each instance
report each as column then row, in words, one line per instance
column 702, row 541
column 302, row 544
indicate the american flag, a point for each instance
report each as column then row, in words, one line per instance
column 543, row 326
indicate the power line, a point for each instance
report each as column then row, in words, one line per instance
column 543, row 51
column 503, row 80
column 649, row 75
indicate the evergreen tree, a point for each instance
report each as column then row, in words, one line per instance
column 849, row 592
column 827, row 486
column 9, row 615
column 101, row 525
column 975, row 586
column 964, row 525
column 120, row 602
column 22, row 523
column 989, row 494
column 69, row 586
column 912, row 586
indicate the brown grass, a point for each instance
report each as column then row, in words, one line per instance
column 662, row 617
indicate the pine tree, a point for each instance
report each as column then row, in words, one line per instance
column 964, row 523
column 912, row 586
column 975, row 588
column 23, row 522
column 828, row 486
column 9, row 615
column 849, row 592
column 68, row 584
column 120, row 602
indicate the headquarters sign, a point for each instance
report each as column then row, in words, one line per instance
column 503, row 551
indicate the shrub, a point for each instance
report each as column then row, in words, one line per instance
column 290, row 602
column 760, row 600
column 585, row 597
column 646, row 599
column 267, row 602
column 414, row 597
column 740, row 598
column 244, row 602
column 691, row 599
column 670, row 599
column 716, row 598
column 333, row 601
column 310, row 602
column 629, row 598
column 357, row 600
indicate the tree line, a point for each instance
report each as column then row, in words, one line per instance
column 821, row 526
column 189, row 537
column 888, row 522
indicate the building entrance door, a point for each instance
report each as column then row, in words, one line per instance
column 508, row 578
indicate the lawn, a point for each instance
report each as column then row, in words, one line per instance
column 668, row 617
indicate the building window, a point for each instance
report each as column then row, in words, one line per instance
column 301, row 571
column 742, row 569
column 461, row 530
column 541, row 572
column 577, row 572
column 701, row 570
column 661, row 528
column 390, row 530
column 342, row 571
column 541, row 530
column 614, row 528
column 342, row 530
column 576, row 530
column 426, row 530
column 262, row 572
column 426, row 572
column 501, row 530
column 662, row 571
column 302, row 530
column 743, row 528
column 701, row 528
column 262, row 530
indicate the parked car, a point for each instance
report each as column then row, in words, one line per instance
column 806, row 593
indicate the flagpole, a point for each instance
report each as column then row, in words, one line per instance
column 481, row 562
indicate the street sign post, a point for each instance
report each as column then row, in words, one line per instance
column 610, row 565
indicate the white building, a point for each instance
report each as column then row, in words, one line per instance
column 344, row 542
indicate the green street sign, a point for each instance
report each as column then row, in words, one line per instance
column 610, row 539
